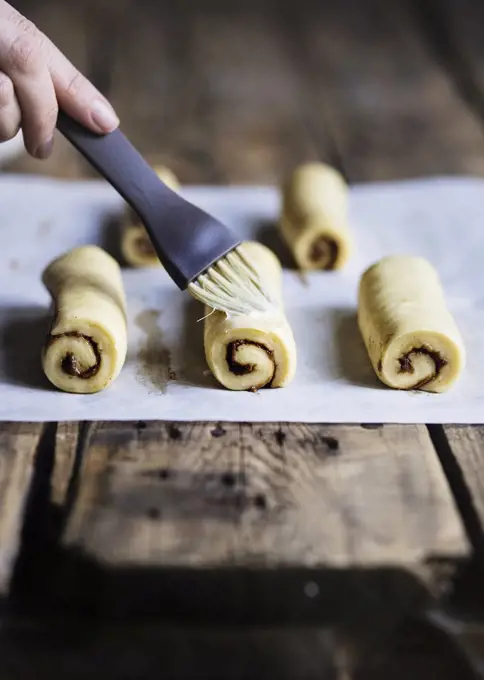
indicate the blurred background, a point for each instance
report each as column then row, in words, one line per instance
column 240, row 91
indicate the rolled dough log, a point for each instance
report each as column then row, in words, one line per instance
column 86, row 346
column 411, row 337
column 135, row 243
column 314, row 221
column 251, row 351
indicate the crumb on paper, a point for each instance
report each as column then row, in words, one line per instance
column 44, row 228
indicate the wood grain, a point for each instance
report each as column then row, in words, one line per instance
column 18, row 445
column 169, row 512
column 153, row 495
column 346, row 496
column 69, row 445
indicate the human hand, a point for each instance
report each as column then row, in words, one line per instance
column 35, row 79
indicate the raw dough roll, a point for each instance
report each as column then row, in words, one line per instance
column 86, row 346
column 314, row 222
column 248, row 352
column 411, row 337
column 135, row 244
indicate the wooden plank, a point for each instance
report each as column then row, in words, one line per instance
column 347, row 495
column 241, row 492
column 161, row 487
column 393, row 111
column 72, row 438
column 18, row 444
column 463, row 459
column 168, row 513
column 58, row 456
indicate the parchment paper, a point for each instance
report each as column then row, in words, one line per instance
column 165, row 374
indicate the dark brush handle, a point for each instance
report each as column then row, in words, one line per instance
column 186, row 239
column 117, row 160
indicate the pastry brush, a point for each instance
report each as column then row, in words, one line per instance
column 199, row 253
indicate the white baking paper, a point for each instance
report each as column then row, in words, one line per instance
column 11, row 149
column 165, row 374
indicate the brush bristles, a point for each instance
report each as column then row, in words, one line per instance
column 233, row 286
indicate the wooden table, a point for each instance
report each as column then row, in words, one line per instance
column 239, row 550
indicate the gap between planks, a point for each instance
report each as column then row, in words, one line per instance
column 460, row 449
column 18, row 445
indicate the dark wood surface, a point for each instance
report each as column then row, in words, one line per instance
column 217, row 550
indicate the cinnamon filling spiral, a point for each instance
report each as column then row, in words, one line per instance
column 70, row 364
column 324, row 250
column 406, row 365
column 244, row 369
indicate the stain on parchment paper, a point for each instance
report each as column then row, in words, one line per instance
column 44, row 228
column 154, row 358
column 303, row 277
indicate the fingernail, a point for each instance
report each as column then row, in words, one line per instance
column 44, row 150
column 103, row 116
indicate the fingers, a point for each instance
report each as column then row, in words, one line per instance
column 78, row 97
column 42, row 79
column 23, row 58
column 10, row 115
